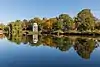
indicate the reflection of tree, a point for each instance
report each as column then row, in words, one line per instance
column 2, row 36
column 84, row 47
column 63, row 43
column 19, row 38
column 15, row 38
column 48, row 41
column 25, row 39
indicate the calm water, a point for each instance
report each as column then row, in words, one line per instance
column 38, row 51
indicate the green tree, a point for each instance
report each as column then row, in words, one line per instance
column 2, row 26
column 67, row 21
column 15, row 27
column 87, row 20
column 58, row 25
column 25, row 24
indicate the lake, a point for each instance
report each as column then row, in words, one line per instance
column 46, row 50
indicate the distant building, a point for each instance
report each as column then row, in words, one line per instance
column 35, row 27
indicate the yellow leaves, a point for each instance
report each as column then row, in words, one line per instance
column 48, row 24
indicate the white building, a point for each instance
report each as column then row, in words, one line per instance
column 35, row 27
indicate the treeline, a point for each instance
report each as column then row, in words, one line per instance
column 84, row 21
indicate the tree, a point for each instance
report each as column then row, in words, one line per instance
column 2, row 26
column 16, row 27
column 97, row 26
column 86, row 18
column 47, row 25
column 67, row 21
column 58, row 25
column 25, row 24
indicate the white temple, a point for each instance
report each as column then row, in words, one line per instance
column 35, row 27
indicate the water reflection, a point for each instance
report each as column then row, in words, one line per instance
column 83, row 46
column 2, row 36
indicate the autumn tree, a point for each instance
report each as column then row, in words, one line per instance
column 47, row 25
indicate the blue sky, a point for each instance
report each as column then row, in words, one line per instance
column 11, row 10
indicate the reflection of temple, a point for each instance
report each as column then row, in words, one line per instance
column 35, row 38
